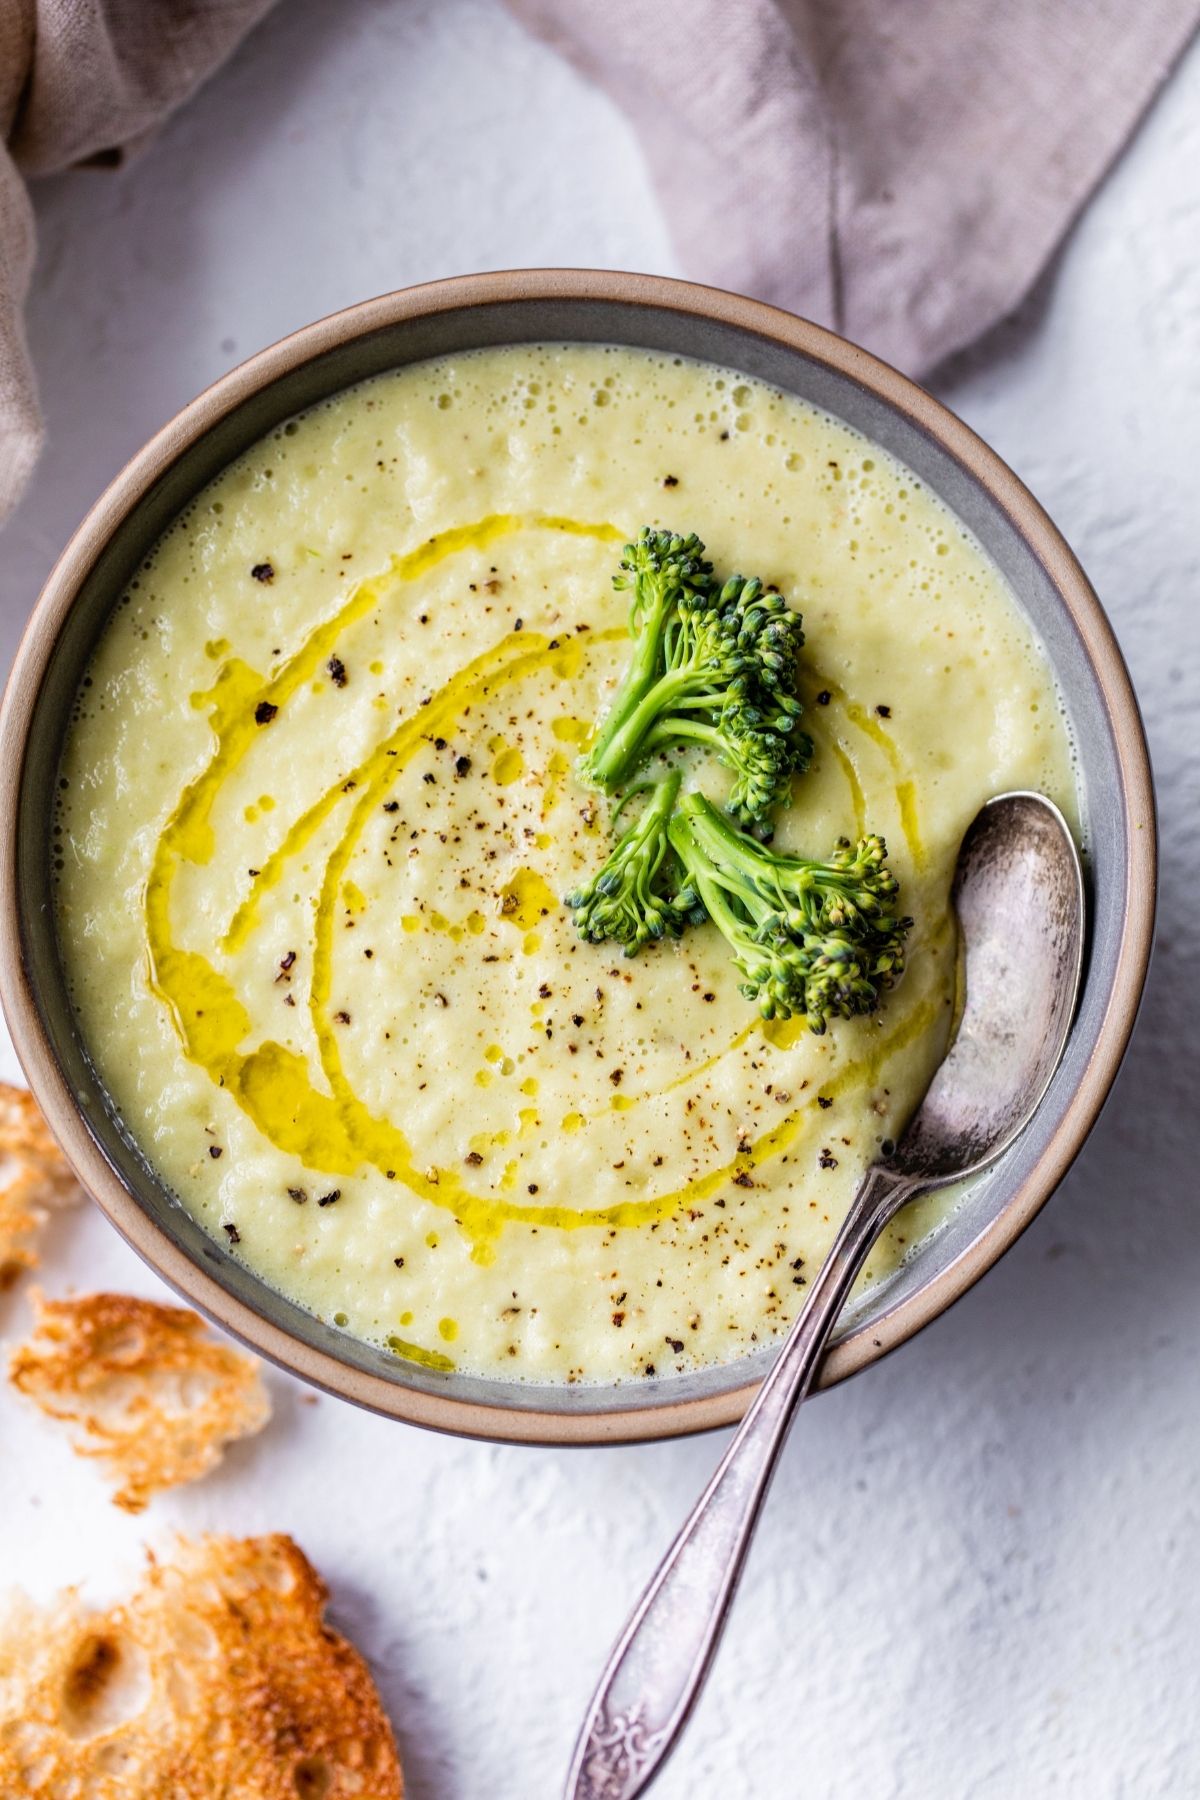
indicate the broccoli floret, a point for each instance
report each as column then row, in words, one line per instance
column 817, row 939
column 637, row 897
column 821, row 940
column 711, row 665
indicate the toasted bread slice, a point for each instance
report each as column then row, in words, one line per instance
column 24, row 1132
column 218, row 1677
column 143, row 1386
column 34, row 1180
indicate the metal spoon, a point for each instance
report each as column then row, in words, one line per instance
column 1018, row 894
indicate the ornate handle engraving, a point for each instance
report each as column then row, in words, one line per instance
column 620, row 1750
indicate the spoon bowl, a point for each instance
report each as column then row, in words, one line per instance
column 1019, row 900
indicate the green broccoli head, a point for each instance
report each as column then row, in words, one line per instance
column 819, row 940
column 816, row 940
column 715, row 666
column 658, row 570
column 747, row 641
column 637, row 898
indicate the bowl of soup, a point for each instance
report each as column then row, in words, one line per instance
column 293, row 801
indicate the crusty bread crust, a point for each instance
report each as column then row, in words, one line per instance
column 217, row 1680
column 143, row 1386
column 34, row 1180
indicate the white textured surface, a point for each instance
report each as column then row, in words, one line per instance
column 980, row 1572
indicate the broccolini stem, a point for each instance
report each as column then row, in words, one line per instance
column 628, row 901
column 657, row 570
column 614, row 749
column 629, row 731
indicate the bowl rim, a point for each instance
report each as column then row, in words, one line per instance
column 866, row 1343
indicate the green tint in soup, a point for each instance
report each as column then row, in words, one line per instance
column 321, row 809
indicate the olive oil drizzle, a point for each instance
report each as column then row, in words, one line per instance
column 334, row 1131
column 906, row 793
column 868, row 725
column 857, row 797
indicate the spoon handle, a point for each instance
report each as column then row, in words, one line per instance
column 660, row 1661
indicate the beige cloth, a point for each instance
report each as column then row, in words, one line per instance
column 82, row 80
column 899, row 169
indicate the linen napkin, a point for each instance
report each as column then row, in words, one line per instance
column 80, row 81
column 901, row 170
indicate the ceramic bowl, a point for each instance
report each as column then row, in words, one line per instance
column 462, row 314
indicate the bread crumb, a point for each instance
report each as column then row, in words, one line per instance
column 143, row 1386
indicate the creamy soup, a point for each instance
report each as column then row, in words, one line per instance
column 319, row 811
